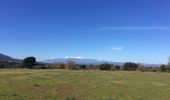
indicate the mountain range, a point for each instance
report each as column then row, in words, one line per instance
column 81, row 61
column 76, row 60
column 89, row 61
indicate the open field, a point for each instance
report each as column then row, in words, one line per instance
column 27, row 84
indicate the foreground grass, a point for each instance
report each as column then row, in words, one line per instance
column 26, row 84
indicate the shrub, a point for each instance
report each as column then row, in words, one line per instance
column 17, row 66
column 89, row 67
column 115, row 68
column 10, row 65
column 154, row 69
column 72, row 65
column 105, row 66
column 144, row 69
column 2, row 65
column 82, row 66
column 140, row 68
column 57, row 66
column 42, row 66
column 149, row 69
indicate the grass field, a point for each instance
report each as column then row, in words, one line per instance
column 26, row 84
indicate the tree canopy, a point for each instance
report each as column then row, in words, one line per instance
column 29, row 62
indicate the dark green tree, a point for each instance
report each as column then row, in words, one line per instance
column 82, row 66
column 130, row 66
column 117, row 67
column 105, row 66
column 163, row 68
column 29, row 62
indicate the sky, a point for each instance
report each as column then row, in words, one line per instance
column 114, row 30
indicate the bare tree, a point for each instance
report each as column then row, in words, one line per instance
column 169, row 61
column 168, row 66
column 72, row 65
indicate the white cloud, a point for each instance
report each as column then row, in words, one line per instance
column 135, row 28
column 77, row 57
column 118, row 49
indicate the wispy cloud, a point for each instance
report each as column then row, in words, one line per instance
column 118, row 49
column 77, row 57
column 135, row 28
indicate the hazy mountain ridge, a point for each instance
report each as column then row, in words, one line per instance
column 8, row 58
column 88, row 61
column 76, row 60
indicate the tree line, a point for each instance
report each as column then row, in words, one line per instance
column 31, row 63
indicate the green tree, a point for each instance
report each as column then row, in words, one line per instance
column 105, row 66
column 130, row 66
column 117, row 67
column 163, row 68
column 29, row 62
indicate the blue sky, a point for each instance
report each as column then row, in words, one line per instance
column 116, row 30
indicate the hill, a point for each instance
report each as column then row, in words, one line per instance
column 8, row 58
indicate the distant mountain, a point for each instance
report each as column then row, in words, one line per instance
column 8, row 58
column 89, row 61
column 81, row 61
column 77, row 60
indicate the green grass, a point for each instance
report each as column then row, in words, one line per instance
column 27, row 84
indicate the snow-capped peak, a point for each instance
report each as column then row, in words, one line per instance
column 77, row 57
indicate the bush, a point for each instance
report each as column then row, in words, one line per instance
column 10, row 65
column 17, row 66
column 57, row 66
column 154, row 69
column 149, row 69
column 72, row 65
column 82, row 66
column 2, row 65
column 130, row 66
column 89, row 67
column 115, row 68
column 105, row 66
column 42, row 66
column 140, row 68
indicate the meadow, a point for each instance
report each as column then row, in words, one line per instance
column 63, row 84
